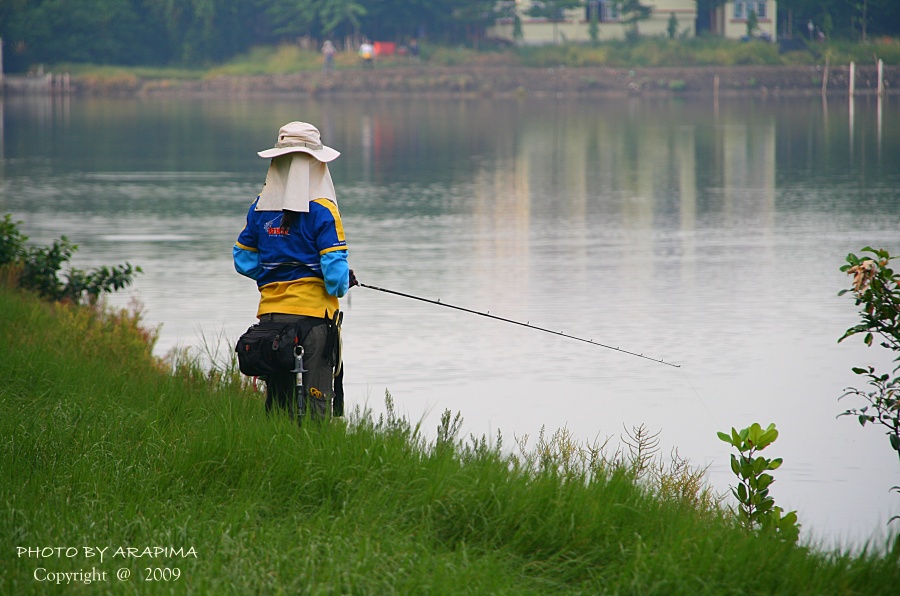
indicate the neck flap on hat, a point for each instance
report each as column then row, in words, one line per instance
column 293, row 180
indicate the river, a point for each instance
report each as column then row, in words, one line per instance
column 707, row 235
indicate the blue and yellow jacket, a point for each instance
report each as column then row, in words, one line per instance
column 302, row 270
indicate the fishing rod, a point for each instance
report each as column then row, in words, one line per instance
column 505, row 320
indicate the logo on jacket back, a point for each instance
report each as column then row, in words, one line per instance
column 273, row 230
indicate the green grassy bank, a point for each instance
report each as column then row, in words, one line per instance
column 648, row 52
column 103, row 447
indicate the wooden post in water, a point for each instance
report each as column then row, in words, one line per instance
column 879, row 116
column 852, row 78
column 879, row 104
column 716, row 95
column 850, row 102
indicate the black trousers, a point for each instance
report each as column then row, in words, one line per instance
column 318, row 378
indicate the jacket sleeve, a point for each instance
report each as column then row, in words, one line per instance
column 246, row 261
column 336, row 272
column 246, row 250
column 332, row 246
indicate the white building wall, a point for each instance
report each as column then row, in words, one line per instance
column 736, row 13
column 576, row 27
column 731, row 22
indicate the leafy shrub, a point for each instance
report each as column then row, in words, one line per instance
column 12, row 241
column 876, row 287
column 41, row 269
column 757, row 510
column 40, row 266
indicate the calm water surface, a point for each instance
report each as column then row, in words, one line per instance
column 707, row 236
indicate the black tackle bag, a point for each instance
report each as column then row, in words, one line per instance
column 267, row 347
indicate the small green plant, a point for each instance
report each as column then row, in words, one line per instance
column 757, row 510
column 876, row 288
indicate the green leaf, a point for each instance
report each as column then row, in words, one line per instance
column 767, row 438
column 760, row 464
column 725, row 437
column 775, row 463
column 754, row 432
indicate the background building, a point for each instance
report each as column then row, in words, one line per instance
column 615, row 19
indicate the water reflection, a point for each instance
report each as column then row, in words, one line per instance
column 707, row 237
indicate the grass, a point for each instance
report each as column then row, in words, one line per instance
column 657, row 52
column 648, row 52
column 147, row 72
column 105, row 446
column 281, row 59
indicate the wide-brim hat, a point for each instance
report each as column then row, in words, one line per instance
column 300, row 137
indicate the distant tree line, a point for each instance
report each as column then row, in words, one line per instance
column 199, row 32
column 845, row 19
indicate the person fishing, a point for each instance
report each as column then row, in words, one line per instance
column 293, row 246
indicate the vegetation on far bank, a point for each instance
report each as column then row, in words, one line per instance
column 707, row 51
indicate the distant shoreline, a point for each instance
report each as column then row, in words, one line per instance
column 494, row 82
